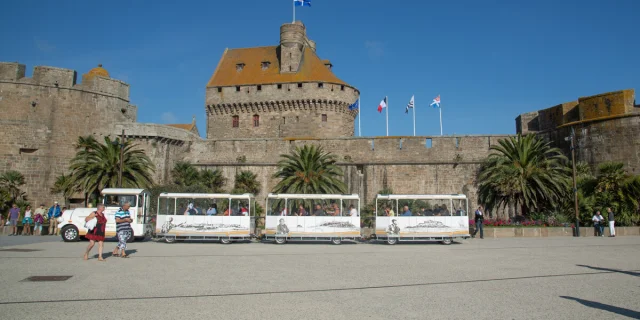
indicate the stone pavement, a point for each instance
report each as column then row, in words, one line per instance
column 520, row 278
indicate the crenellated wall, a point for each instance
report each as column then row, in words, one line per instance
column 42, row 117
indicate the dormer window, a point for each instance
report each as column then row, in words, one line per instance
column 239, row 66
column 265, row 65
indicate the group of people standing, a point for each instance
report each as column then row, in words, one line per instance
column 35, row 219
column 97, row 233
column 599, row 223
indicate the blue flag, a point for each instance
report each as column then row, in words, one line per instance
column 302, row 3
column 355, row 105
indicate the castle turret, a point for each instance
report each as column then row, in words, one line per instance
column 292, row 40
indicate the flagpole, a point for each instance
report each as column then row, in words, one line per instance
column 387, row 99
column 440, row 108
column 414, row 116
column 359, row 116
column 294, row 11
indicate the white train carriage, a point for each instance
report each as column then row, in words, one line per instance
column 402, row 217
column 312, row 217
column 205, row 217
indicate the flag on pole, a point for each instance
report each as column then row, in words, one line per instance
column 302, row 3
column 382, row 105
column 355, row 105
column 410, row 105
column 436, row 102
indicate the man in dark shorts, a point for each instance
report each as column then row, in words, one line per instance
column 14, row 214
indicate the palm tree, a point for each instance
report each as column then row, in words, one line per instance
column 185, row 174
column 613, row 187
column 65, row 185
column 309, row 170
column 11, row 181
column 96, row 166
column 246, row 182
column 524, row 171
column 212, row 179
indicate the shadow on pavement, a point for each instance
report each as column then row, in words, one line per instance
column 606, row 307
column 631, row 273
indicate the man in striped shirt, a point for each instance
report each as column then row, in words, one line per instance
column 123, row 229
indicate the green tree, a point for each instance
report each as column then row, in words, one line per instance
column 612, row 187
column 246, row 182
column 65, row 185
column 96, row 166
column 309, row 170
column 185, row 174
column 212, row 180
column 526, row 172
column 12, row 181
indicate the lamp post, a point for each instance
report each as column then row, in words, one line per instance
column 121, row 145
column 575, row 187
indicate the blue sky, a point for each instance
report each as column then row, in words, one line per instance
column 489, row 60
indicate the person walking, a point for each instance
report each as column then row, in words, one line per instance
column 97, row 233
column 27, row 221
column 53, row 214
column 14, row 214
column 598, row 224
column 612, row 222
column 123, row 230
column 479, row 219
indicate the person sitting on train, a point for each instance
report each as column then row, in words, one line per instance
column 336, row 210
column 197, row 210
column 445, row 211
column 284, row 212
column 213, row 210
column 461, row 212
column 190, row 211
column 302, row 212
column 389, row 212
column 243, row 210
column 318, row 211
column 352, row 211
column 406, row 212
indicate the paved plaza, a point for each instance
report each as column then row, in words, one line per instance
column 517, row 278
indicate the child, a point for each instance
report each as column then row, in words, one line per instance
column 38, row 220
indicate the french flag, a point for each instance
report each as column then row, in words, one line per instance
column 382, row 105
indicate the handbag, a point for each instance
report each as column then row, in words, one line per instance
column 91, row 223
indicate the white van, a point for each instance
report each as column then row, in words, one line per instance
column 71, row 223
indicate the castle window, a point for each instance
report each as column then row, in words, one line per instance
column 342, row 88
column 239, row 67
column 219, row 89
column 265, row 65
column 235, row 122
column 428, row 143
column 320, row 85
column 279, row 86
column 256, row 120
column 259, row 88
column 299, row 84
column 457, row 143
column 324, row 118
column 237, row 88
column 284, row 120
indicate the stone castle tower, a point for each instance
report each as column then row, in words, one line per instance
column 278, row 92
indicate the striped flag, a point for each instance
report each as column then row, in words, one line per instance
column 436, row 102
column 382, row 105
column 410, row 105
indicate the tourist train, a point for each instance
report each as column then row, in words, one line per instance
column 227, row 218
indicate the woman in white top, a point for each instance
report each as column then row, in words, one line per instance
column 352, row 211
column 26, row 222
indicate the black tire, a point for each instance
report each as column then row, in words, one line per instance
column 225, row 240
column 392, row 241
column 169, row 239
column 447, row 241
column 70, row 233
column 140, row 238
column 281, row 240
column 336, row 241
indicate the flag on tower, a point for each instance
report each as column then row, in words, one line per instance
column 355, row 105
column 302, row 3
column 436, row 102
column 410, row 105
column 382, row 105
